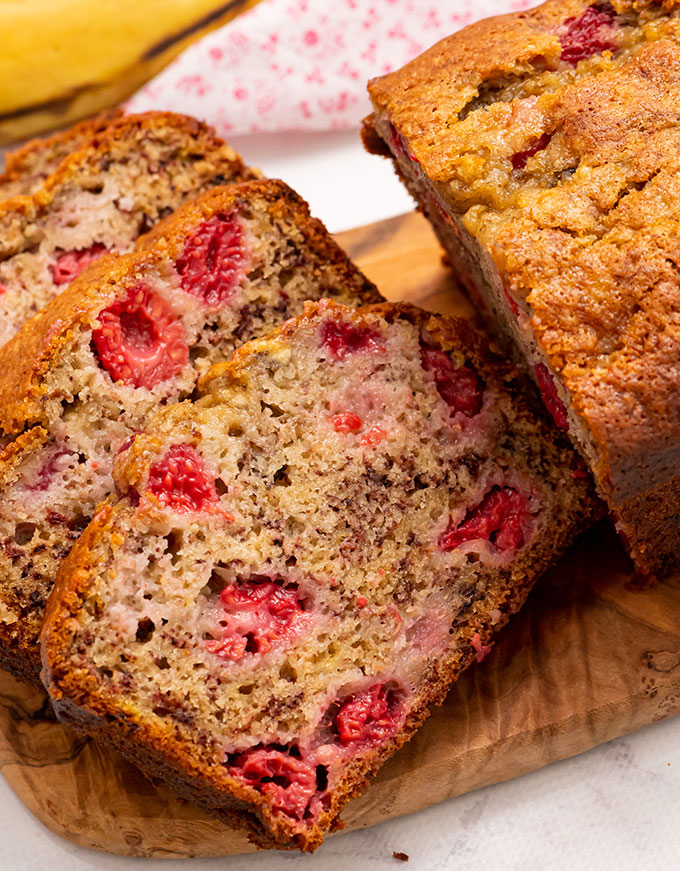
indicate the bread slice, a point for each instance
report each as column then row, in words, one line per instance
column 131, row 333
column 102, row 198
column 304, row 559
column 27, row 167
column 543, row 146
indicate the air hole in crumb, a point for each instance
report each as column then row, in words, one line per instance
column 281, row 477
column 214, row 586
column 221, row 487
column 419, row 484
column 246, row 689
column 287, row 672
column 291, row 561
column 472, row 557
column 321, row 778
column 145, row 628
column 174, row 545
column 285, row 276
column 274, row 409
column 251, row 643
column 235, row 431
column 161, row 662
column 24, row 532
column 105, row 672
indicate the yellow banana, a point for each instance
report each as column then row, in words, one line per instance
column 63, row 60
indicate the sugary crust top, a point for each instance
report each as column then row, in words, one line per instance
column 587, row 232
column 29, row 355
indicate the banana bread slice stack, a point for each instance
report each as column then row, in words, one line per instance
column 131, row 333
column 101, row 199
column 304, row 559
column 27, row 167
column 543, row 146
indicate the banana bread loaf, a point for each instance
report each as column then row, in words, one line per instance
column 102, row 198
column 304, row 559
column 131, row 333
column 27, row 167
column 543, row 147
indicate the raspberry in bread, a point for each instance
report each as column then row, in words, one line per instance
column 543, row 147
column 132, row 332
column 304, row 559
column 27, row 167
column 102, row 198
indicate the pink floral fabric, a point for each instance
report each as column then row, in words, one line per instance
column 304, row 64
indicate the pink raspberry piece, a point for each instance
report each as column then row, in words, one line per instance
column 368, row 717
column 588, row 34
column 343, row 339
column 257, row 615
column 288, row 782
column 214, row 260
column 180, row 480
column 550, row 396
column 519, row 160
column 461, row 389
column 71, row 263
column 139, row 340
column 499, row 518
column 346, row 422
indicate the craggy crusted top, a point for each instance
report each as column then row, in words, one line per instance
column 29, row 355
column 583, row 222
column 20, row 216
column 28, row 166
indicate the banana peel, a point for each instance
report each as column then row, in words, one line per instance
column 63, row 60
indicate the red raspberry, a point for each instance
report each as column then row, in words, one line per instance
column 289, row 783
column 346, row 422
column 499, row 518
column 512, row 302
column 140, row 341
column 214, row 260
column 257, row 615
column 519, row 160
column 49, row 468
column 71, row 263
column 550, row 396
column 373, row 436
column 482, row 650
column 368, row 717
column 180, row 480
column 591, row 33
column 461, row 389
column 343, row 339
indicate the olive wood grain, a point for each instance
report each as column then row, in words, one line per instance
column 589, row 658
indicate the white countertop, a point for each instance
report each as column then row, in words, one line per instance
column 614, row 807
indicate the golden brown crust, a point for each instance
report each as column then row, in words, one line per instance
column 27, row 357
column 26, row 167
column 83, row 701
column 585, row 234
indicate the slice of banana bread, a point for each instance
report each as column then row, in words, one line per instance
column 27, row 167
column 304, row 559
column 102, row 198
column 132, row 332
column 543, row 147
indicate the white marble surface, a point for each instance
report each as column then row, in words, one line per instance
column 615, row 807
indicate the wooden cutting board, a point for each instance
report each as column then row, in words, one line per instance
column 588, row 659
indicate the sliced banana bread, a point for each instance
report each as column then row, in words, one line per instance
column 102, row 198
column 132, row 332
column 27, row 167
column 304, row 559
column 543, row 146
